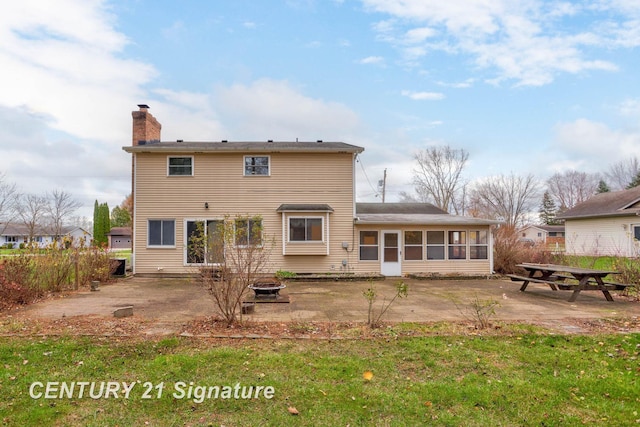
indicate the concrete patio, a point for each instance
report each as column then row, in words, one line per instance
column 180, row 300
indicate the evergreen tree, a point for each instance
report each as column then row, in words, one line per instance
column 548, row 210
column 635, row 181
column 96, row 226
column 101, row 223
column 602, row 187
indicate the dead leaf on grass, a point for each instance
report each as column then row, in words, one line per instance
column 292, row 410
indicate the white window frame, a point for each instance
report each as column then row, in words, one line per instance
column 442, row 245
column 249, row 220
column 478, row 245
column 322, row 239
column 161, row 246
column 361, row 245
column 180, row 157
column 460, row 246
column 413, row 245
column 244, row 165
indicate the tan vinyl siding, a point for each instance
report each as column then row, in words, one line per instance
column 601, row 236
column 219, row 181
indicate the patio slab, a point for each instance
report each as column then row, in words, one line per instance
column 180, row 300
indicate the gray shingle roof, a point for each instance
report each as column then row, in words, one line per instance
column 304, row 207
column 245, row 147
column 412, row 213
column 614, row 203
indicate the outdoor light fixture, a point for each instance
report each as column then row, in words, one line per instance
column 206, row 205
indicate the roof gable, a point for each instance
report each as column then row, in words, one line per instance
column 613, row 203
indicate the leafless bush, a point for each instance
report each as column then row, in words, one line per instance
column 233, row 254
column 629, row 270
column 509, row 251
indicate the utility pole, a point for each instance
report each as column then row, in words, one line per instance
column 383, row 184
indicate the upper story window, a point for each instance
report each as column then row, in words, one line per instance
column 305, row 229
column 180, row 166
column 256, row 165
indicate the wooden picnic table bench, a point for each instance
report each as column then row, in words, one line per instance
column 565, row 277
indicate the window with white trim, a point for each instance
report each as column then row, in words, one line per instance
column 435, row 245
column 479, row 244
column 256, row 166
column 248, row 232
column 368, row 245
column 457, row 245
column 305, row 229
column 180, row 166
column 413, row 245
column 161, row 232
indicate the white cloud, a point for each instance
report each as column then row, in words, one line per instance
column 594, row 145
column 371, row 60
column 276, row 110
column 423, row 96
column 68, row 92
column 526, row 42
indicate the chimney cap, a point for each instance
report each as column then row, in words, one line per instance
column 143, row 106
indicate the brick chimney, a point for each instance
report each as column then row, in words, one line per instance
column 146, row 128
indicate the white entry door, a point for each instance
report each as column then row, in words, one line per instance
column 391, row 254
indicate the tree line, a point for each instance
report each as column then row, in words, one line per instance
column 438, row 178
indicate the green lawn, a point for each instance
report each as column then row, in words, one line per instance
column 531, row 379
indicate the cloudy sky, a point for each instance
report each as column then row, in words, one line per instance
column 524, row 86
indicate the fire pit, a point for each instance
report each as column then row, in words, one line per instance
column 267, row 288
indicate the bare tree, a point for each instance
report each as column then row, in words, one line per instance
column 8, row 195
column 60, row 208
column 572, row 187
column 438, row 177
column 620, row 174
column 509, row 198
column 32, row 210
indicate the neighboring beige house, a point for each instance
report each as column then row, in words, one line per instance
column 544, row 234
column 305, row 194
column 605, row 224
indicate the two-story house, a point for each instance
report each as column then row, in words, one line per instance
column 304, row 193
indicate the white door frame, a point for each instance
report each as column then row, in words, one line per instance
column 391, row 261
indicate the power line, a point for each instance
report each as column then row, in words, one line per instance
column 367, row 177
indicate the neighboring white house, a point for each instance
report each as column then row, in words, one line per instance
column 13, row 235
column 545, row 234
column 606, row 224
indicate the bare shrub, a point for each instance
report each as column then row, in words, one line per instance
column 508, row 251
column 94, row 263
column 52, row 270
column 233, row 254
column 15, row 279
column 481, row 312
column 370, row 294
column 629, row 270
column 34, row 273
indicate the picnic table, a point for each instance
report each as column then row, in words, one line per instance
column 564, row 277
